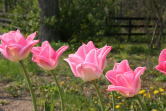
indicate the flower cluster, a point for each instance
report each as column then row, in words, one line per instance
column 87, row 63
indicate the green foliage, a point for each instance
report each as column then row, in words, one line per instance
column 16, row 89
column 50, row 21
column 161, row 78
column 26, row 15
column 9, row 70
column 80, row 19
column 3, row 30
column 137, row 50
column 49, row 94
column 77, row 20
column 1, row 4
column 57, row 45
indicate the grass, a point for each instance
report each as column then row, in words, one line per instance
column 80, row 96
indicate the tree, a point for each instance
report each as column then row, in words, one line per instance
column 49, row 12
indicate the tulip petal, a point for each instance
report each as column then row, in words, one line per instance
column 92, row 57
column 45, row 44
column 27, row 49
column 121, row 89
column 88, row 72
column 122, row 81
column 12, row 53
column 115, row 66
column 161, row 68
column 137, row 81
column 73, row 67
column 81, row 51
column 90, row 45
column 46, row 51
column 36, row 50
column 38, row 58
column 162, row 62
column 18, row 36
column 129, row 76
column 123, row 66
column 162, row 56
column 60, row 51
column 104, row 51
column 44, row 62
column 75, row 59
column 3, row 50
column 111, row 75
column 102, row 56
column 31, row 37
column 139, row 71
column 11, row 37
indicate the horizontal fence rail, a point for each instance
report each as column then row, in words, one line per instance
column 131, row 24
column 132, row 18
column 5, row 20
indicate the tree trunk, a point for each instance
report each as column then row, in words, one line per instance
column 49, row 8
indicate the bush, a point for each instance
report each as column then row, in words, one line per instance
column 26, row 15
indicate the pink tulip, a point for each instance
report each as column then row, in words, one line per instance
column 162, row 62
column 15, row 47
column 88, row 62
column 46, row 57
column 124, row 80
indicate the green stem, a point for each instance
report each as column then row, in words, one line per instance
column 113, row 101
column 99, row 95
column 59, row 91
column 29, row 85
column 143, row 105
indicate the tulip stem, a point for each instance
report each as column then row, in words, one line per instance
column 59, row 91
column 99, row 95
column 143, row 104
column 113, row 101
column 29, row 85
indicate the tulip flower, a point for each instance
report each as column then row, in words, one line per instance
column 162, row 62
column 46, row 57
column 88, row 62
column 15, row 47
column 124, row 80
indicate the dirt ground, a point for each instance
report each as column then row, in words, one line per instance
column 16, row 105
column 8, row 103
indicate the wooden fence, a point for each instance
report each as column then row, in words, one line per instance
column 5, row 20
column 133, row 23
column 8, row 4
